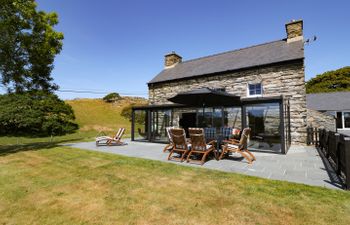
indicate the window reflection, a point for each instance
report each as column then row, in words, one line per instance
column 140, row 125
column 264, row 120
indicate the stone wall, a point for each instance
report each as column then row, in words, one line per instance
column 284, row 79
column 322, row 120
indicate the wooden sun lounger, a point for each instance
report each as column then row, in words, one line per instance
column 107, row 140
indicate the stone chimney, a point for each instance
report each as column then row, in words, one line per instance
column 171, row 60
column 294, row 30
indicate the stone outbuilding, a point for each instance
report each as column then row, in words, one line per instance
column 268, row 78
column 333, row 111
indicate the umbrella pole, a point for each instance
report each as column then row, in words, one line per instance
column 203, row 114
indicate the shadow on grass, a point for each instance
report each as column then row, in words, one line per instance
column 11, row 149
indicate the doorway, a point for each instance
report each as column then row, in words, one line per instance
column 188, row 120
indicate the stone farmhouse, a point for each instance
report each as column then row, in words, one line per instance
column 268, row 78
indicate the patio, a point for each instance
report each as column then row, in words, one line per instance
column 302, row 164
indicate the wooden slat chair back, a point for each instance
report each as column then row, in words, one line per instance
column 195, row 130
column 198, row 142
column 199, row 146
column 243, row 142
column 107, row 140
column 180, row 144
column 239, row 147
column 119, row 134
column 169, row 146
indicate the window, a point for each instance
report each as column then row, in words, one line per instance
column 254, row 89
column 343, row 120
column 346, row 120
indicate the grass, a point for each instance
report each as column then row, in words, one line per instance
column 43, row 183
column 79, row 136
column 93, row 116
column 47, row 184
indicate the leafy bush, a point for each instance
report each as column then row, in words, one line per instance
column 112, row 97
column 331, row 81
column 127, row 113
column 35, row 114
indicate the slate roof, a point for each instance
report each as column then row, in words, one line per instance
column 258, row 55
column 334, row 101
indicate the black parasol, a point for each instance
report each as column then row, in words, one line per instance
column 206, row 97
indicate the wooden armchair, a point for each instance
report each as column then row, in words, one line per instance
column 199, row 146
column 194, row 130
column 180, row 145
column 169, row 146
column 240, row 147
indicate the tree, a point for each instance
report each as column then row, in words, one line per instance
column 35, row 114
column 127, row 114
column 112, row 97
column 331, row 81
column 28, row 46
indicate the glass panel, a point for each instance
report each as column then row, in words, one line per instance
column 346, row 119
column 207, row 119
column 160, row 120
column 140, row 125
column 264, row 120
column 217, row 118
column 258, row 89
column 184, row 118
column 233, row 117
column 254, row 89
column 339, row 120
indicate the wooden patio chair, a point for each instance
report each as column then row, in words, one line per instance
column 200, row 147
column 239, row 147
column 169, row 146
column 180, row 144
column 195, row 130
column 107, row 140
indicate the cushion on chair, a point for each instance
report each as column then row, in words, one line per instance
column 232, row 146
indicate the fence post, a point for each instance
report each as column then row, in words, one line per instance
column 308, row 137
column 336, row 151
column 316, row 138
column 347, row 161
column 321, row 138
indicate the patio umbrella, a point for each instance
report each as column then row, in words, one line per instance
column 205, row 97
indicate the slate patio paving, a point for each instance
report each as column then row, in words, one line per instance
column 302, row 164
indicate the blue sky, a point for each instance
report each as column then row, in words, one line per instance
column 113, row 45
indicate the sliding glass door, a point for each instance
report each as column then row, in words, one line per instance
column 264, row 119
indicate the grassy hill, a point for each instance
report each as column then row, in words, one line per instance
column 93, row 116
column 97, row 115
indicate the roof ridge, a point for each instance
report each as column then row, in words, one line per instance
column 226, row 52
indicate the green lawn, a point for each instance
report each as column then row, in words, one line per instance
column 46, row 184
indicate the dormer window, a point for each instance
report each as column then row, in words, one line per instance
column 254, row 90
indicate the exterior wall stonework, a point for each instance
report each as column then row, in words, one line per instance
column 321, row 120
column 283, row 79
